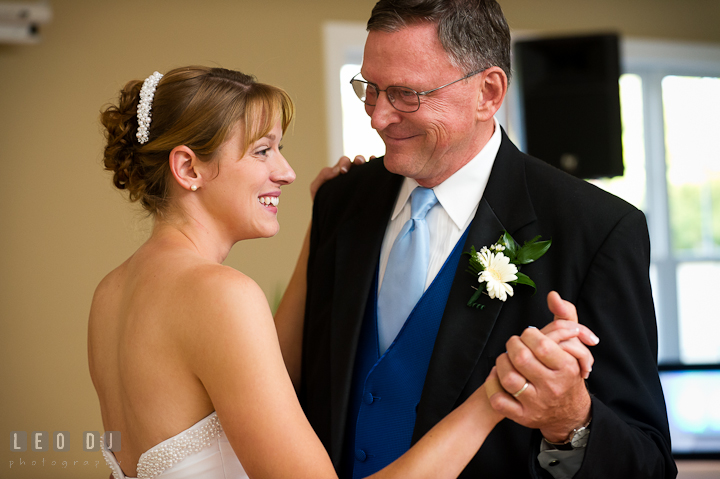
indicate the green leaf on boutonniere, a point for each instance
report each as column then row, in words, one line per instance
column 524, row 279
column 532, row 250
column 511, row 246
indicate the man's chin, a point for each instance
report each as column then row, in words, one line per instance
column 400, row 164
column 393, row 162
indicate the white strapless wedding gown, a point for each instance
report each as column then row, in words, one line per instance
column 199, row 451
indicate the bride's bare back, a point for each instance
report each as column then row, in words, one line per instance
column 138, row 317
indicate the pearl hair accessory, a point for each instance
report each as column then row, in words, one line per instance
column 147, row 93
column 193, row 187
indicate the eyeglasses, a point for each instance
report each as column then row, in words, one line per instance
column 402, row 98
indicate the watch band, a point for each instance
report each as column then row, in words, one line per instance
column 578, row 438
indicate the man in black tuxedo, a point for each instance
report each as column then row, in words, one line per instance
column 440, row 133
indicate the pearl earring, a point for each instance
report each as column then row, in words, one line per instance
column 193, row 187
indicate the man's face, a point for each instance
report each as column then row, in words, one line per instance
column 434, row 142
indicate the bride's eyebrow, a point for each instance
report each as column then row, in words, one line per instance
column 272, row 137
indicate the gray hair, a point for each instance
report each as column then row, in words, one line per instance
column 474, row 33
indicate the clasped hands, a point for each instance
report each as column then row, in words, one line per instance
column 540, row 381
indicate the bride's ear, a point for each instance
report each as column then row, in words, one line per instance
column 184, row 166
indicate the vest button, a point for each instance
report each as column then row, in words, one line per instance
column 368, row 399
column 360, row 455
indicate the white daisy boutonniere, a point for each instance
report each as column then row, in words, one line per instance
column 496, row 266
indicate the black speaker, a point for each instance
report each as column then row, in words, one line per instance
column 571, row 103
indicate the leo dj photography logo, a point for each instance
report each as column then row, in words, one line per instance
column 42, row 441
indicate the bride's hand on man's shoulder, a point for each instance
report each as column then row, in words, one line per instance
column 329, row 172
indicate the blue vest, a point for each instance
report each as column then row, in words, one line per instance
column 386, row 390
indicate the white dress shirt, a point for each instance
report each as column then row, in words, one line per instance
column 458, row 199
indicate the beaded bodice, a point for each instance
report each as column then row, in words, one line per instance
column 203, row 437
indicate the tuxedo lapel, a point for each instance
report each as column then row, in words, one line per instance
column 464, row 330
column 359, row 239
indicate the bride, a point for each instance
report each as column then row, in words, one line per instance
column 183, row 351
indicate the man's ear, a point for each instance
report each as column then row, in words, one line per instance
column 493, row 88
column 183, row 165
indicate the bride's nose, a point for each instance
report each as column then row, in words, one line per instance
column 283, row 174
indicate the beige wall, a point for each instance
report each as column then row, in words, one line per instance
column 62, row 224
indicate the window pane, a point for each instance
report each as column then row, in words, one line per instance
column 630, row 186
column 358, row 136
column 698, row 305
column 692, row 145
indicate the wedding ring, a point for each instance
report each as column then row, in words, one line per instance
column 522, row 389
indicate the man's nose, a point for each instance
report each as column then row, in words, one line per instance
column 383, row 113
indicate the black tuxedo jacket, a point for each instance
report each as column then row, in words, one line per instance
column 599, row 260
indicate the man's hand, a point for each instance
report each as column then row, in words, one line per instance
column 565, row 316
column 328, row 173
column 552, row 362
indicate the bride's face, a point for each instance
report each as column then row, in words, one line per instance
column 246, row 190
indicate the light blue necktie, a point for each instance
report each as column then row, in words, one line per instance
column 406, row 270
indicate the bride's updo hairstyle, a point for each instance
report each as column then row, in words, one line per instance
column 193, row 106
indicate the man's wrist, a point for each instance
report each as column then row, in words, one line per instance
column 577, row 438
column 560, row 432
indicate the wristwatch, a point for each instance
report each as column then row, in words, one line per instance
column 578, row 438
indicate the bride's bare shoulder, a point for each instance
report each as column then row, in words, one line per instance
column 223, row 309
column 222, row 296
column 216, row 283
column 107, row 292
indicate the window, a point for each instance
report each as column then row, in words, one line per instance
column 670, row 99
column 691, row 107
column 679, row 93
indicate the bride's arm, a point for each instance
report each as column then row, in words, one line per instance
column 290, row 316
column 231, row 346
